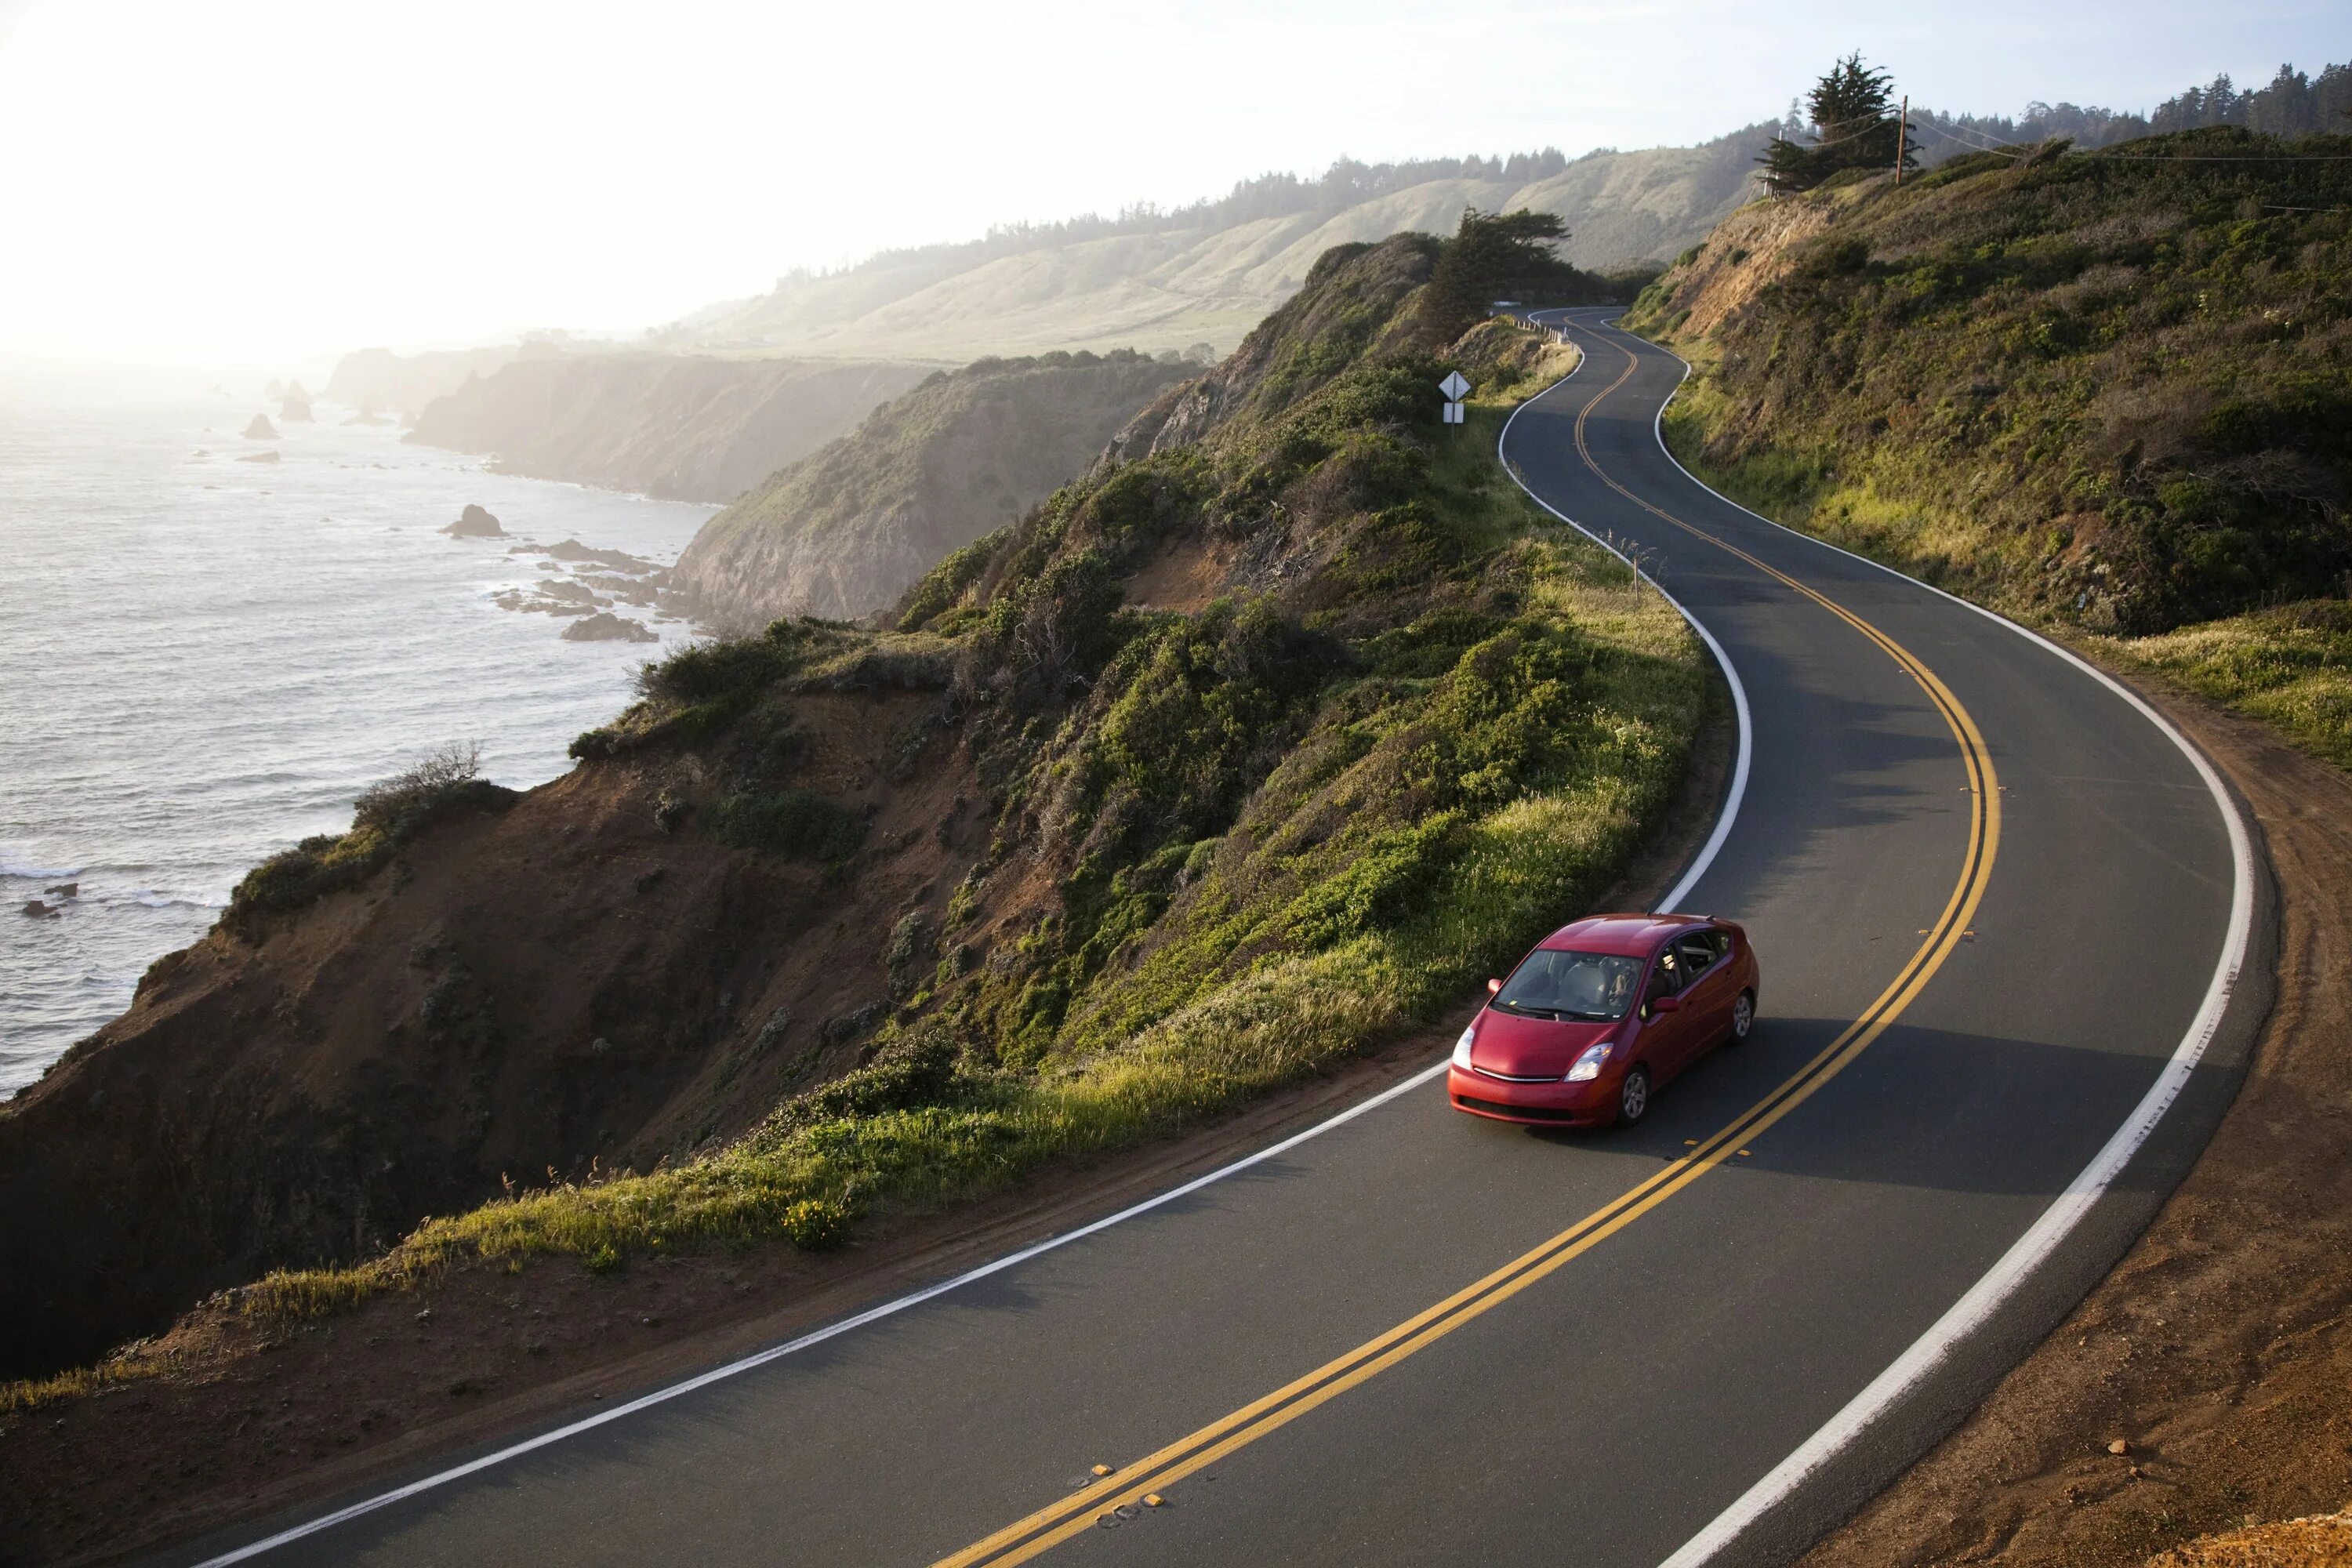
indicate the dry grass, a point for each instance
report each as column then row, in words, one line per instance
column 2321, row 1541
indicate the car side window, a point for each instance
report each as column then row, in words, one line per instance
column 1697, row 950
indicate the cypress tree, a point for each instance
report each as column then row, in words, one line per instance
column 1493, row 254
column 1854, row 127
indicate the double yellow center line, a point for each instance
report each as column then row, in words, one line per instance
column 1119, row 1491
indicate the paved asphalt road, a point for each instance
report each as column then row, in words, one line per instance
column 1419, row 1338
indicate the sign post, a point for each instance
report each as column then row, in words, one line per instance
column 1455, row 388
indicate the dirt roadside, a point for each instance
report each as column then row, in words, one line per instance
column 247, row 1416
column 2219, row 1351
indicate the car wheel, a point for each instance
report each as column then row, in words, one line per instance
column 1743, row 1017
column 1633, row 1096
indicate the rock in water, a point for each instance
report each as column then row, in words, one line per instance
column 40, row 911
column 296, row 408
column 606, row 627
column 259, row 457
column 475, row 522
column 275, row 389
column 262, row 429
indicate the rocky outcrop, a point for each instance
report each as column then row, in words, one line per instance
column 475, row 522
column 606, row 627
column 295, row 406
column 687, row 428
column 262, row 429
column 259, row 457
column 846, row 531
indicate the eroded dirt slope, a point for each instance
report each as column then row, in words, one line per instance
column 520, row 992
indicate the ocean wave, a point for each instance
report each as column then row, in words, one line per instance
column 13, row 865
column 180, row 900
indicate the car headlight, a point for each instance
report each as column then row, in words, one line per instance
column 1587, row 1066
column 1461, row 1048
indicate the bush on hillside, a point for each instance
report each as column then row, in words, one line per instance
column 383, row 818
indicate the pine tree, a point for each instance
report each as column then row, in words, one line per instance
column 1854, row 127
column 1493, row 254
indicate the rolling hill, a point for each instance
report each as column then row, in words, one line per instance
column 1210, row 272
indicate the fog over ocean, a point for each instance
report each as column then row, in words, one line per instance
column 203, row 660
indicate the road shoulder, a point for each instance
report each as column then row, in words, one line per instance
column 2219, row 1351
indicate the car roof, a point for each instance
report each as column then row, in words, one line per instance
column 1631, row 934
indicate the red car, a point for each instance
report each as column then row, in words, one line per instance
column 1600, row 1015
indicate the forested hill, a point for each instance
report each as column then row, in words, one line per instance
column 1209, row 272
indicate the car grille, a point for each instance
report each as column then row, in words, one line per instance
column 1529, row 1112
column 1515, row 1078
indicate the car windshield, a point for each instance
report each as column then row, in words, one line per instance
column 1580, row 986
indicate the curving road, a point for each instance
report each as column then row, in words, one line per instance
column 2002, row 913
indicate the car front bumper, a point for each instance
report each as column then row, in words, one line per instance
column 1552, row 1103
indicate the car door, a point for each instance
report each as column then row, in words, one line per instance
column 1666, row 1037
column 1709, row 987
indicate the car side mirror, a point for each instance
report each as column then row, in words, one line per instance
column 1493, row 988
column 1667, row 1005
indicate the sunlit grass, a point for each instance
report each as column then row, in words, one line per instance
column 2291, row 666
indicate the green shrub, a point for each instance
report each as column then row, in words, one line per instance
column 817, row 1224
column 384, row 817
column 794, row 823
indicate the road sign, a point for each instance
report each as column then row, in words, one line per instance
column 1453, row 414
column 1454, row 386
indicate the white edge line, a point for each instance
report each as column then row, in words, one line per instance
column 2031, row 1250
column 818, row 1336
column 1738, row 791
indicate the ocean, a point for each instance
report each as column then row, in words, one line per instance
column 204, row 659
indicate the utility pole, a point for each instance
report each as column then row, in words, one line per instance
column 1902, row 131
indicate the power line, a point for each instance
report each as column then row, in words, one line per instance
column 1982, row 142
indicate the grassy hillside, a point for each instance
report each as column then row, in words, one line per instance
column 1225, row 762
column 685, row 426
column 1401, row 727
column 2109, row 392
column 1210, row 272
column 843, row 531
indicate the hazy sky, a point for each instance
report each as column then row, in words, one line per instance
column 270, row 177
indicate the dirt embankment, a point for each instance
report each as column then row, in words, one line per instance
column 2219, row 1353
column 520, row 994
column 1747, row 250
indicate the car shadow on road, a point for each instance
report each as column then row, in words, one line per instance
column 1922, row 1107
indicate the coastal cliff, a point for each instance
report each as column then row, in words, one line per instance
column 681, row 427
column 1165, row 795
column 377, row 381
column 841, row 532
